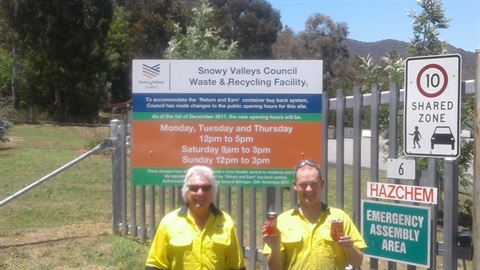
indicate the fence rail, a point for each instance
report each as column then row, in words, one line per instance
column 138, row 209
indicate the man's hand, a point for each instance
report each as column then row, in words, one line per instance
column 274, row 260
column 345, row 241
column 273, row 241
column 354, row 256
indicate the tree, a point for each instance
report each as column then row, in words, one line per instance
column 119, row 53
column 288, row 45
column 5, row 123
column 201, row 40
column 65, row 44
column 425, row 39
column 371, row 73
column 8, row 24
column 5, row 72
column 326, row 40
column 152, row 24
column 393, row 66
column 253, row 24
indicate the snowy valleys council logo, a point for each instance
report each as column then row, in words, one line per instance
column 151, row 73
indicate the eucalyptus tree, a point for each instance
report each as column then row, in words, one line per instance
column 426, row 24
column 9, row 41
column 140, row 29
column 326, row 40
column 393, row 66
column 152, row 23
column 253, row 24
column 5, row 72
column 120, row 50
column 64, row 41
column 201, row 39
column 288, row 45
column 371, row 73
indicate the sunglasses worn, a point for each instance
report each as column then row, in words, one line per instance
column 312, row 186
column 196, row 188
column 305, row 162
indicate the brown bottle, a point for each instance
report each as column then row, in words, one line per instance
column 271, row 223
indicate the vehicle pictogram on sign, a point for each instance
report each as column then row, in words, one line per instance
column 443, row 135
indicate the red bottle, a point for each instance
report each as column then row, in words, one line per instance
column 271, row 223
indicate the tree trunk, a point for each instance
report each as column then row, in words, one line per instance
column 16, row 99
column 58, row 105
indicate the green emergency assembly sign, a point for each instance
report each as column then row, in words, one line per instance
column 397, row 232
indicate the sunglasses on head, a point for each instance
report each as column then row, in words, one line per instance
column 196, row 188
column 305, row 162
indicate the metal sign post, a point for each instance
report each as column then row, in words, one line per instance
column 476, row 168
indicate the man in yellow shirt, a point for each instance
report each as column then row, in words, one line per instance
column 303, row 238
column 198, row 235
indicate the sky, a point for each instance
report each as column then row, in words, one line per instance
column 375, row 20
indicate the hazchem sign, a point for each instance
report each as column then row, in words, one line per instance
column 405, row 193
column 432, row 106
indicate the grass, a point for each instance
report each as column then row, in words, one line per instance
column 65, row 223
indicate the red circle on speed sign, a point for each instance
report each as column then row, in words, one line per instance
column 445, row 81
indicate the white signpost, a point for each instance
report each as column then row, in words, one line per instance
column 432, row 106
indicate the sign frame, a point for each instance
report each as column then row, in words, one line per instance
column 419, row 257
column 223, row 114
column 432, row 106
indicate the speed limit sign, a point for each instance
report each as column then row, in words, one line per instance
column 432, row 106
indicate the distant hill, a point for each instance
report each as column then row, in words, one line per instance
column 379, row 49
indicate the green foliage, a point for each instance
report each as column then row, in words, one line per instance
column 326, row 40
column 425, row 39
column 5, row 72
column 151, row 25
column 253, row 24
column 119, row 53
column 4, row 126
column 371, row 74
column 393, row 66
column 201, row 40
column 66, row 61
column 288, row 46
column 63, row 42
column 6, row 114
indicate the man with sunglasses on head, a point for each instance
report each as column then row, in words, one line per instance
column 198, row 235
column 303, row 238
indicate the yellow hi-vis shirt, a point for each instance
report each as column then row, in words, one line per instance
column 306, row 246
column 178, row 244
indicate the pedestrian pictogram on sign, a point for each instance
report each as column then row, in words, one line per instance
column 432, row 106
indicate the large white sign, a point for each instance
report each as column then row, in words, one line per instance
column 432, row 106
